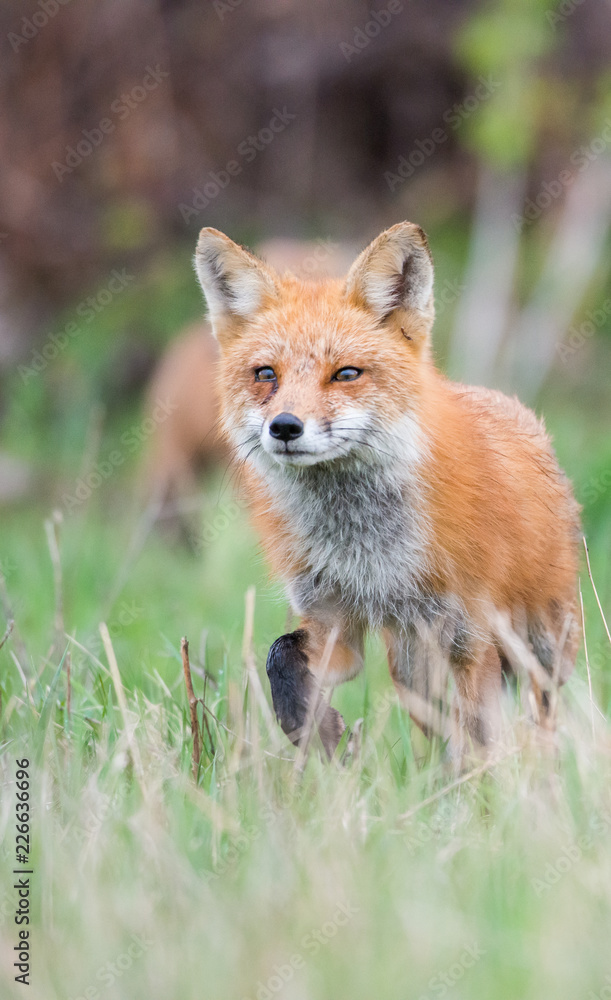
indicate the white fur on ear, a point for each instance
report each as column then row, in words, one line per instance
column 234, row 282
column 393, row 272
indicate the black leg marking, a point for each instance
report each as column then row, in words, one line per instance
column 542, row 644
column 293, row 687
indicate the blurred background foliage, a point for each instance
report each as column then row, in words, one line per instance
column 487, row 123
column 223, row 68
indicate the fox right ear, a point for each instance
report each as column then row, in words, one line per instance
column 234, row 281
column 394, row 274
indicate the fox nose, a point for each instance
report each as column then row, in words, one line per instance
column 286, row 427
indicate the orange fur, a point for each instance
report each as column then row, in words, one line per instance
column 499, row 523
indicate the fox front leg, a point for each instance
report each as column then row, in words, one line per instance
column 296, row 692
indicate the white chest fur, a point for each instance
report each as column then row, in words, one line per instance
column 362, row 534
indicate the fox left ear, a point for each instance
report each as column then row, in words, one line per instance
column 235, row 282
column 395, row 272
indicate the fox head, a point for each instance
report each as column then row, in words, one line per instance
column 316, row 372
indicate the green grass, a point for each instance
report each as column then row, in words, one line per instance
column 260, row 880
column 258, row 867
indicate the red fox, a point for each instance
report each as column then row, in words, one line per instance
column 387, row 496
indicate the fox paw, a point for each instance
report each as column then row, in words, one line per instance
column 293, row 687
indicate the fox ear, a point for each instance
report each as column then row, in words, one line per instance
column 395, row 272
column 234, row 281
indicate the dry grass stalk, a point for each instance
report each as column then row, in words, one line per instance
column 89, row 654
column 469, row 776
column 9, row 628
column 197, row 736
column 134, row 752
column 554, row 693
column 52, row 528
column 316, row 697
column 521, row 659
column 585, row 649
column 252, row 686
column 602, row 614
column 254, row 681
column 8, row 614
column 240, row 739
column 429, row 718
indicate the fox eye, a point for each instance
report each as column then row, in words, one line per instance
column 347, row 374
column 265, row 374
